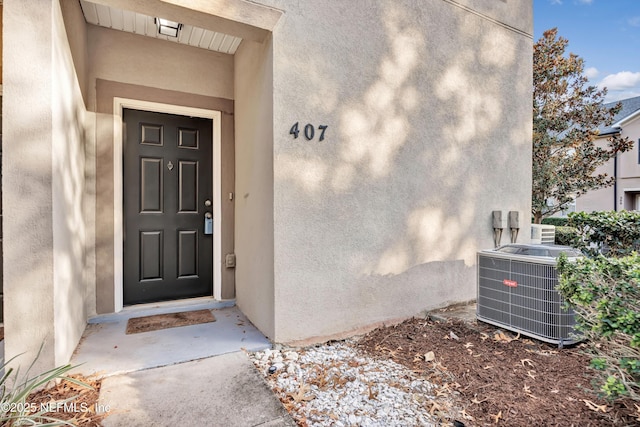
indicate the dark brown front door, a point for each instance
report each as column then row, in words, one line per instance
column 168, row 253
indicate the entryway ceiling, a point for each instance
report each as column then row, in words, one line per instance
column 136, row 23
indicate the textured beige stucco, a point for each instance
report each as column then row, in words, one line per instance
column 76, row 29
column 27, row 171
column 429, row 130
column 254, row 183
column 69, row 135
column 597, row 200
column 603, row 198
column 76, row 33
column 134, row 59
column 629, row 161
column 516, row 14
column 629, row 168
column 43, row 186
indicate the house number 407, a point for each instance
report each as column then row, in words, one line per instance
column 309, row 131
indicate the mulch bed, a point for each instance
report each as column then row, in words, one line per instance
column 499, row 378
column 156, row 322
column 82, row 411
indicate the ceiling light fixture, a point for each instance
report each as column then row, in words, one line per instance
column 168, row 28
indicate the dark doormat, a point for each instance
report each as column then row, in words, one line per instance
column 156, row 322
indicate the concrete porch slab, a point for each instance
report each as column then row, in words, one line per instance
column 106, row 350
column 465, row 311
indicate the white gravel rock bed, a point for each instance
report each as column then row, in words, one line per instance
column 333, row 385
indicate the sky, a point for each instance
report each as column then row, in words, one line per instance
column 605, row 33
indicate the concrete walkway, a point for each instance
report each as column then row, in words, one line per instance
column 224, row 390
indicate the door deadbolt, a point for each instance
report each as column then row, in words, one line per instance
column 207, row 203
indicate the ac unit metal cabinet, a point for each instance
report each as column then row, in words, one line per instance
column 518, row 293
column 543, row 234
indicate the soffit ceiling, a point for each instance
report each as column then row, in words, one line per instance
column 136, row 23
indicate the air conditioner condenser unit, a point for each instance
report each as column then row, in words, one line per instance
column 518, row 293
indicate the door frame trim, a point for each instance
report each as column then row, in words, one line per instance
column 118, row 179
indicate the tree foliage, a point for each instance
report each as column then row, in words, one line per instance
column 566, row 116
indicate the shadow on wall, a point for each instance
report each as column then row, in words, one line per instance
column 48, row 307
column 424, row 145
column 70, row 137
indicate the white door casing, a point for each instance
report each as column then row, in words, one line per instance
column 216, row 117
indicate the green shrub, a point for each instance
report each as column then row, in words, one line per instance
column 611, row 233
column 557, row 221
column 566, row 236
column 605, row 294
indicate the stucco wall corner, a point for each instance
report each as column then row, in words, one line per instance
column 254, row 211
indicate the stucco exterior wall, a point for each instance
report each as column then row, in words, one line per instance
column 511, row 13
column 76, row 32
column 43, row 184
column 597, row 200
column 429, row 130
column 76, row 29
column 630, row 161
column 603, row 198
column 134, row 59
column 69, row 135
column 27, row 170
column 254, row 183
column 629, row 176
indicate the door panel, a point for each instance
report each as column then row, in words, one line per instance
column 187, row 253
column 188, row 187
column 151, row 134
column 167, row 178
column 187, row 138
column 151, row 257
column 151, row 190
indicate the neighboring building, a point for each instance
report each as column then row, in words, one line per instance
column 564, row 213
column 327, row 165
column 625, row 194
